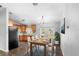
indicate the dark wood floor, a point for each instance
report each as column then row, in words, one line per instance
column 22, row 51
column 58, row 51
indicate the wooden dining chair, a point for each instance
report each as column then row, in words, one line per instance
column 36, row 37
column 28, row 44
column 50, row 48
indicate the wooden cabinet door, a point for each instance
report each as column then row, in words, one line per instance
column 22, row 28
column 23, row 38
column 33, row 26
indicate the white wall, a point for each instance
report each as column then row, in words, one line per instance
column 3, row 30
column 70, row 41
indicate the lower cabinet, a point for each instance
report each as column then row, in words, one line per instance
column 24, row 38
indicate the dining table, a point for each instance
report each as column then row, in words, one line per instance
column 41, row 42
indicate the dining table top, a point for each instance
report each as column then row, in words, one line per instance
column 39, row 41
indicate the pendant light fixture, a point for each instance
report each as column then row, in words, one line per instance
column 42, row 19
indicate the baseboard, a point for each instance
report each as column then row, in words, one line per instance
column 4, row 50
column 62, row 50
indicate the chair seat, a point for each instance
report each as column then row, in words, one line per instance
column 50, row 49
column 50, row 45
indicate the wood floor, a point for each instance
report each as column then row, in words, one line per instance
column 22, row 51
column 58, row 51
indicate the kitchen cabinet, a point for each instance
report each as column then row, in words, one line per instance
column 33, row 26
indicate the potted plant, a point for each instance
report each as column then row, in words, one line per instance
column 57, row 37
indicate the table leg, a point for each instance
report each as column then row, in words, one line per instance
column 53, row 50
column 31, row 52
column 44, row 50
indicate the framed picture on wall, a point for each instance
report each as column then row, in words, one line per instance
column 63, row 27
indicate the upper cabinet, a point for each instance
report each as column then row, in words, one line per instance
column 11, row 22
column 33, row 26
column 22, row 28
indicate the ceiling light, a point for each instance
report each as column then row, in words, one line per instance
column 35, row 4
column 0, row 5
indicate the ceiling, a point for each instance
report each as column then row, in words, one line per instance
column 27, row 13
